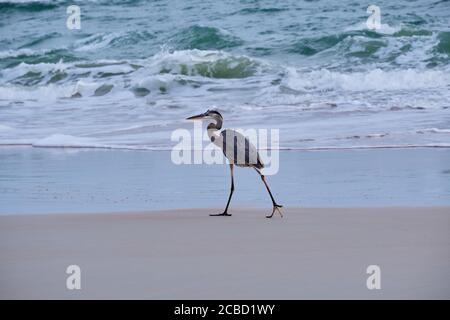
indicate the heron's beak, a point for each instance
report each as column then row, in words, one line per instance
column 197, row 117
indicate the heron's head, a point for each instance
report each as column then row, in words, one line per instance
column 209, row 114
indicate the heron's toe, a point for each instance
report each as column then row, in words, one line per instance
column 220, row 214
column 277, row 207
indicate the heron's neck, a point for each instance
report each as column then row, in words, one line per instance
column 217, row 125
column 214, row 131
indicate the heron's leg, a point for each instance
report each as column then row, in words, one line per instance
column 225, row 213
column 276, row 207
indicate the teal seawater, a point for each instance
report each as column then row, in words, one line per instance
column 311, row 69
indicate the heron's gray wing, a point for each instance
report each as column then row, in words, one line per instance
column 239, row 150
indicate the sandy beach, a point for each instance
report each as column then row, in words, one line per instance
column 185, row 254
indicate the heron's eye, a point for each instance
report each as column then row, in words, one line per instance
column 213, row 138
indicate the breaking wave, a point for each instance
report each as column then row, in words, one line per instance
column 376, row 80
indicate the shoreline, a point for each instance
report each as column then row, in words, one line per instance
column 185, row 254
column 207, row 210
column 130, row 148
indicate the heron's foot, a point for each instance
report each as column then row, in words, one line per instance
column 223, row 214
column 276, row 207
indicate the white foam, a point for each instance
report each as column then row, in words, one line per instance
column 158, row 82
column 434, row 130
column 63, row 140
column 49, row 69
column 375, row 79
column 24, row 68
column 20, row 52
column 43, row 93
column 85, row 88
column 5, row 128
column 376, row 135
column 383, row 29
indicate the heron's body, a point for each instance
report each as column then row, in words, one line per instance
column 237, row 149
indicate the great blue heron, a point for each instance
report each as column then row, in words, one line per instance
column 238, row 150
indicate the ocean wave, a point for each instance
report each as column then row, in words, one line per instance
column 114, row 39
column 30, row 1
column 444, row 43
column 208, row 64
column 375, row 79
column 385, row 29
column 205, row 63
column 386, row 146
column 69, row 141
column 32, row 74
column 83, row 89
column 49, row 93
column 433, row 130
column 40, row 40
column 269, row 10
column 167, row 70
column 28, row 5
column 204, row 38
column 408, row 47
column 311, row 46
column 157, row 74
column 13, row 58
column 61, row 72
column 22, row 53
column 94, row 42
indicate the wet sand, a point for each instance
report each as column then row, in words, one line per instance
column 52, row 180
column 185, row 254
